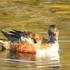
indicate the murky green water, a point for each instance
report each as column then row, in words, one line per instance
column 26, row 16
column 18, row 61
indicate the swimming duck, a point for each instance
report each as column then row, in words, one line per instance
column 29, row 46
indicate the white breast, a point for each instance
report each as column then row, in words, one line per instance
column 51, row 50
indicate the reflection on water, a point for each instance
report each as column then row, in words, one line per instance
column 52, row 60
column 21, row 61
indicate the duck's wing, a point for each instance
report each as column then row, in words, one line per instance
column 19, row 32
column 4, row 33
column 14, row 37
column 11, row 37
column 15, row 33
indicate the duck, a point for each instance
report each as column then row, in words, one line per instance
column 33, row 44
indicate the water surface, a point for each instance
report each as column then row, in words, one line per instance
column 19, row 61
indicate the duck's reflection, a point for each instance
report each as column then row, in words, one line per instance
column 42, row 61
column 52, row 60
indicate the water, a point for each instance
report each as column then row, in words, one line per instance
column 19, row 61
column 21, row 14
column 29, row 61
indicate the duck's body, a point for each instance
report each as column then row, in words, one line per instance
column 29, row 46
column 53, row 48
column 26, row 47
